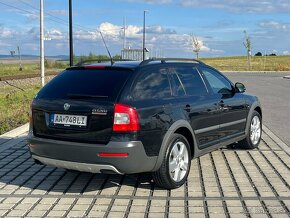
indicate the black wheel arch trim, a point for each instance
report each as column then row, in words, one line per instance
column 173, row 128
column 255, row 105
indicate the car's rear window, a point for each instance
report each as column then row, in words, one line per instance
column 88, row 83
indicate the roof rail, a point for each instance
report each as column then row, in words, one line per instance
column 81, row 63
column 163, row 60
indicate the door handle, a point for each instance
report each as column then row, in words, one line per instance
column 187, row 108
column 223, row 107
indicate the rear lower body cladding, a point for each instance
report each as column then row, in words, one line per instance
column 82, row 167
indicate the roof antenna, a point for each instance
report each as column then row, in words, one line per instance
column 112, row 62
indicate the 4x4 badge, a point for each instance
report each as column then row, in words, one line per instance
column 66, row 106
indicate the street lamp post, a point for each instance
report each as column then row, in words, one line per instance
column 143, row 49
column 71, row 53
column 41, row 44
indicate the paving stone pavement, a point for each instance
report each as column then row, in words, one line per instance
column 225, row 183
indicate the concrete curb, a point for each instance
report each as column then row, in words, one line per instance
column 16, row 132
column 276, row 139
column 13, row 137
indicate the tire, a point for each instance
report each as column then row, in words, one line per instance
column 254, row 132
column 174, row 175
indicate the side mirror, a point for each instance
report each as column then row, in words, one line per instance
column 240, row 87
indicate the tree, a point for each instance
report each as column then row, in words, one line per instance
column 196, row 45
column 117, row 57
column 248, row 46
column 258, row 54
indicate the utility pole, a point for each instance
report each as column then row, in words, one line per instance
column 71, row 53
column 41, row 43
column 124, row 39
column 144, row 16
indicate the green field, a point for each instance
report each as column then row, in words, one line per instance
column 263, row 63
column 12, row 69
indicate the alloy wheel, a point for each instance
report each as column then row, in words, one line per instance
column 178, row 161
column 255, row 131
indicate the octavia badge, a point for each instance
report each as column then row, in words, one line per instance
column 66, row 106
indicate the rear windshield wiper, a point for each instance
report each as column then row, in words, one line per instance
column 79, row 96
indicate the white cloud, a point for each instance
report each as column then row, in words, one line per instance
column 158, row 38
column 110, row 30
column 285, row 52
column 204, row 47
column 236, row 6
column 55, row 34
column 87, row 35
column 31, row 17
column 242, row 6
column 6, row 33
column 275, row 25
column 59, row 12
column 159, row 30
column 153, row 1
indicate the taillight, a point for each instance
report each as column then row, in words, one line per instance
column 125, row 119
column 94, row 67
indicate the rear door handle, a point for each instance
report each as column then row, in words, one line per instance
column 187, row 108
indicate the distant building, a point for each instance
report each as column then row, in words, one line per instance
column 134, row 54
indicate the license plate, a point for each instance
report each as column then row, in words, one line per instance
column 68, row 120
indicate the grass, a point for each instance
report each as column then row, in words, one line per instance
column 12, row 69
column 264, row 63
column 14, row 106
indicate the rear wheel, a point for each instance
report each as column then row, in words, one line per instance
column 254, row 132
column 175, row 167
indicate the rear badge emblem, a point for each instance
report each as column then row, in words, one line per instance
column 66, row 106
column 99, row 111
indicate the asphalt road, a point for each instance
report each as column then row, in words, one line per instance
column 274, row 94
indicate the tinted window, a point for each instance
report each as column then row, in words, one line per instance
column 152, row 84
column 85, row 82
column 218, row 82
column 190, row 79
column 178, row 89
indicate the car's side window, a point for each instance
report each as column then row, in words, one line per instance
column 152, row 84
column 189, row 80
column 217, row 82
column 178, row 89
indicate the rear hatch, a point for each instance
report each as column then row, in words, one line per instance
column 78, row 105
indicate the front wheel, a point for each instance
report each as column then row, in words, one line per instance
column 254, row 132
column 175, row 167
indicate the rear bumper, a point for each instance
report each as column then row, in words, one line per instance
column 84, row 157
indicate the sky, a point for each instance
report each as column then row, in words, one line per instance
column 218, row 25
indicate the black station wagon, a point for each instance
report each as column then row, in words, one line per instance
column 132, row 117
